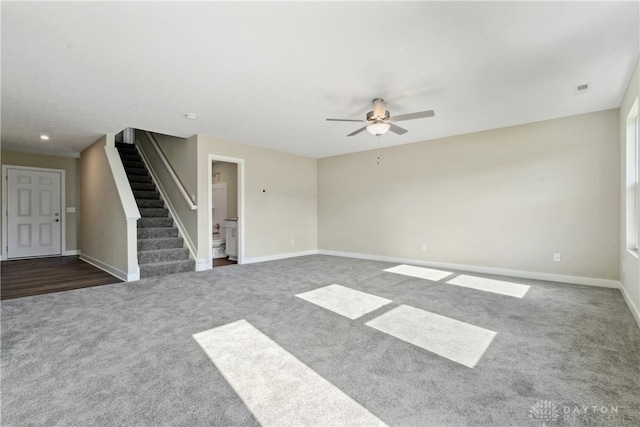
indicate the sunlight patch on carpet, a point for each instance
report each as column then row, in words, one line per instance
column 344, row 301
column 490, row 285
column 419, row 272
column 457, row 341
column 275, row 386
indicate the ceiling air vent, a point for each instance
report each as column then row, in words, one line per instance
column 582, row 88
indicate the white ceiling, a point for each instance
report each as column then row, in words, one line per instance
column 269, row 73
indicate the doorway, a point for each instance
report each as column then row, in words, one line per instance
column 34, row 222
column 226, row 210
column 222, row 251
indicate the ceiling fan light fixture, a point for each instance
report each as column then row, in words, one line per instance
column 378, row 128
column 379, row 120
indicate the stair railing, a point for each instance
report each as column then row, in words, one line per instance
column 173, row 175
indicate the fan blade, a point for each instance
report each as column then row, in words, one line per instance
column 344, row 120
column 397, row 129
column 357, row 131
column 412, row 116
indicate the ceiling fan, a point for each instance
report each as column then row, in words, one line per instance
column 380, row 121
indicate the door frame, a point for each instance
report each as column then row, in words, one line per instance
column 240, row 163
column 5, row 209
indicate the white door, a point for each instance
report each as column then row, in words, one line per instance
column 219, row 204
column 34, row 222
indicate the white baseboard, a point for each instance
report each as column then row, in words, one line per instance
column 203, row 264
column 576, row 280
column 278, row 256
column 109, row 269
column 632, row 307
column 71, row 252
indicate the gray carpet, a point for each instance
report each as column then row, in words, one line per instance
column 124, row 354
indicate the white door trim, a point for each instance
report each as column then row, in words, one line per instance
column 5, row 208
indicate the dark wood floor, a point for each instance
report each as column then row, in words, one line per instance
column 219, row 262
column 27, row 277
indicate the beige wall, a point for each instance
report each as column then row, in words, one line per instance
column 71, row 167
column 506, row 198
column 229, row 175
column 629, row 266
column 287, row 209
column 181, row 154
column 103, row 231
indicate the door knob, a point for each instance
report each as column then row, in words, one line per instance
column 56, row 214
column 57, row 220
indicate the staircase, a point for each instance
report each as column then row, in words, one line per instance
column 160, row 249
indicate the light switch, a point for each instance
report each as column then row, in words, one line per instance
column 71, row 210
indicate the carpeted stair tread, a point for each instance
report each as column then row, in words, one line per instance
column 144, row 186
column 166, row 267
column 142, row 194
column 162, row 243
column 135, row 171
column 159, row 255
column 130, row 157
column 150, row 203
column 155, row 222
column 138, row 164
column 157, row 232
column 139, row 178
column 154, row 212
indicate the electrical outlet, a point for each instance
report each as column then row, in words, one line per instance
column 424, row 247
column 293, row 241
column 556, row 257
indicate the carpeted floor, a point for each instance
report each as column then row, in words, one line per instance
column 125, row 354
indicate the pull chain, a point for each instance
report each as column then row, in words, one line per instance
column 378, row 149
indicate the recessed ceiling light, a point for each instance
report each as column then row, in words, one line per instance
column 44, row 137
column 190, row 116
